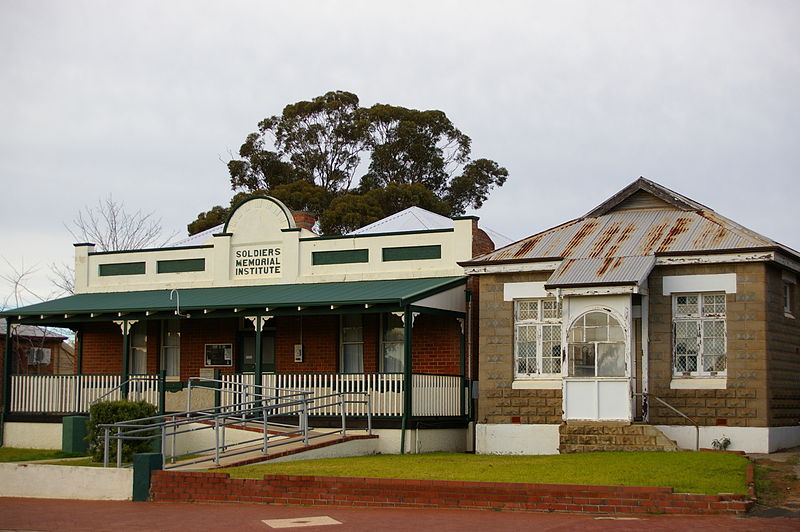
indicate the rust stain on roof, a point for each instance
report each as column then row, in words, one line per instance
column 604, row 239
column 526, row 247
column 623, row 236
column 566, row 265
column 578, row 238
column 609, row 264
column 653, row 237
column 713, row 234
column 680, row 227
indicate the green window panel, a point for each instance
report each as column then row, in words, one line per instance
column 181, row 265
column 347, row 256
column 412, row 253
column 122, row 268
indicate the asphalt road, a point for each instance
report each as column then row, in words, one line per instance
column 65, row 516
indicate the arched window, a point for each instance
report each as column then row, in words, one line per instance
column 596, row 346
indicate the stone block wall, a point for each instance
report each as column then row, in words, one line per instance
column 783, row 352
column 744, row 401
column 499, row 403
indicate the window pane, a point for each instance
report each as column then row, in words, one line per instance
column 714, row 363
column 392, row 328
column 352, row 330
column 393, row 358
column 611, row 360
column 551, row 349
column 596, row 319
column 581, row 360
column 686, row 334
column 713, row 304
column 526, row 349
column 551, row 309
column 527, row 310
column 686, row 305
column 353, row 358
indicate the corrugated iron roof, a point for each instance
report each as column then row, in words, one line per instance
column 601, row 270
column 635, row 232
column 395, row 292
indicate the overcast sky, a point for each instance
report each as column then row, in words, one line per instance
column 146, row 100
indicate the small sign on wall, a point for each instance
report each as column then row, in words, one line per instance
column 298, row 352
column 219, row 354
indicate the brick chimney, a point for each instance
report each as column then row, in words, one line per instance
column 304, row 220
column 481, row 242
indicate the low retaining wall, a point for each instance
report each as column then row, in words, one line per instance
column 65, row 482
column 304, row 490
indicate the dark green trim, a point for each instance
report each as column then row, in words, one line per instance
column 126, row 353
column 147, row 250
column 82, row 244
column 468, row 217
column 412, row 253
column 344, row 256
column 6, row 380
column 181, row 265
column 419, row 232
column 259, row 356
column 291, row 230
column 283, row 208
column 121, row 268
column 222, row 234
column 408, row 320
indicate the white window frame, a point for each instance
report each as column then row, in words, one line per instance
column 701, row 317
column 538, row 323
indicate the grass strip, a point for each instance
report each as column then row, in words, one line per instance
column 686, row 472
column 15, row 454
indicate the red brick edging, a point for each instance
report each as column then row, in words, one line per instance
column 395, row 493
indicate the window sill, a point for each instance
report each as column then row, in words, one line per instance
column 698, row 383
column 537, row 384
column 788, row 315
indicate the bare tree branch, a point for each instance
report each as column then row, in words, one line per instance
column 112, row 228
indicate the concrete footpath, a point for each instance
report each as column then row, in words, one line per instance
column 65, row 516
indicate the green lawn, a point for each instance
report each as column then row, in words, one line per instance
column 12, row 454
column 686, row 472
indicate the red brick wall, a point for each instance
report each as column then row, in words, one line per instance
column 320, row 339
column 195, row 334
column 399, row 493
column 436, row 345
column 102, row 348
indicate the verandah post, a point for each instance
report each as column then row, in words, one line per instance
column 408, row 324
column 6, row 406
column 258, row 358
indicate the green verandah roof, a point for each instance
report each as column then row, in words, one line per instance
column 396, row 292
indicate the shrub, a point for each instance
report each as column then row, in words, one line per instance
column 112, row 412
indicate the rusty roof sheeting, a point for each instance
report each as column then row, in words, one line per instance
column 639, row 232
column 601, row 270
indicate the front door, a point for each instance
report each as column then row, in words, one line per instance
column 247, row 352
column 597, row 385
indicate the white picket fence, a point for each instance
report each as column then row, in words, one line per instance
column 64, row 394
column 433, row 395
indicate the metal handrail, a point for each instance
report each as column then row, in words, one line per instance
column 122, row 384
column 645, row 395
column 217, row 418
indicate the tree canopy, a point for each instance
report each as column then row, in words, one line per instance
column 310, row 155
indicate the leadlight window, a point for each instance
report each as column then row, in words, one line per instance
column 699, row 334
column 537, row 337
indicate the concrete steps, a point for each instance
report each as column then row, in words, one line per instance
column 592, row 436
